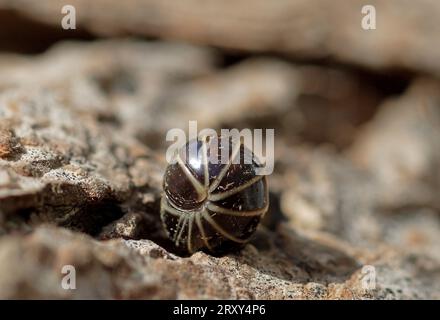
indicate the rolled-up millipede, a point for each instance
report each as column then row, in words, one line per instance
column 213, row 197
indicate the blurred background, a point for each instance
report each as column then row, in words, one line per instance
column 356, row 113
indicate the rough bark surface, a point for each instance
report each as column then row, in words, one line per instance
column 82, row 153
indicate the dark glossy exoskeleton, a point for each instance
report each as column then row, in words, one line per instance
column 213, row 199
